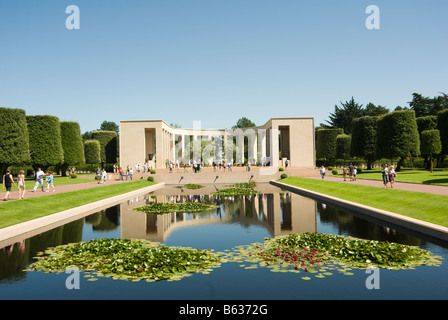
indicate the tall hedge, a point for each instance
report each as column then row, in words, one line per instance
column 442, row 125
column 44, row 134
column 426, row 123
column 430, row 144
column 14, row 140
column 343, row 146
column 363, row 142
column 92, row 151
column 326, row 143
column 108, row 144
column 72, row 145
column 397, row 135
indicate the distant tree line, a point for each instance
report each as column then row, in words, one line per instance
column 374, row 132
column 42, row 141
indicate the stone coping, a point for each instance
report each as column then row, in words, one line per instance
column 25, row 230
column 420, row 226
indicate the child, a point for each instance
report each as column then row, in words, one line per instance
column 21, row 184
column 50, row 181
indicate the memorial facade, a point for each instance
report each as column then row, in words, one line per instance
column 279, row 142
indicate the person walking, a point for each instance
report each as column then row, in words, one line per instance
column 50, row 181
column 8, row 181
column 385, row 174
column 322, row 172
column 104, row 176
column 392, row 174
column 21, row 184
column 39, row 180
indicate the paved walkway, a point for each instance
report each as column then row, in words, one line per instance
column 417, row 187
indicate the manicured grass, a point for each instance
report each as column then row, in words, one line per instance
column 58, row 181
column 438, row 177
column 17, row 211
column 424, row 206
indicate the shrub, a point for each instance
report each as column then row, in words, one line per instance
column 326, row 143
column 71, row 145
column 283, row 176
column 73, row 176
column 397, row 136
column 334, row 172
column 363, row 143
column 92, row 151
column 108, row 145
column 153, row 171
column 45, row 141
column 14, row 142
column 150, row 179
column 281, row 169
column 442, row 125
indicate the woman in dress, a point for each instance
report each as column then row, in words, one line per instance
column 21, row 184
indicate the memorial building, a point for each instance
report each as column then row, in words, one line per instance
column 279, row 142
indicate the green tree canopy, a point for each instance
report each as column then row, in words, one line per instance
column 397, row 135
column 45, row 141
column 343, row 146
column 363, row 142
column 108, row 144
column 71, row 145
column 14, row 140
column 243, row 123
column 442, row 125
column 326, row 144
column 430, row 144
column 425, row 106
column 92, row 151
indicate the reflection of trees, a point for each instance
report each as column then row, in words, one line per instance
column 362, row 228
column 15, row 258
column 105, row 220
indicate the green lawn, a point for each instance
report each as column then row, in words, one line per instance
column 438, row 177
column 424, row 206
column 17, row 211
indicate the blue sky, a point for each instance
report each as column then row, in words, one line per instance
column 217, row 60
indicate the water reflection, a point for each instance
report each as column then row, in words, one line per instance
column 273, row 211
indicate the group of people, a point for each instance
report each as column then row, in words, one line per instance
column 352, row 172
column 40, row 176
column 389, row 175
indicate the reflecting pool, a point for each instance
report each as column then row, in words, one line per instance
column 238, row 220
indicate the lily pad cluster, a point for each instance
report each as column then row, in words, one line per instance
column 127, row 259
column 191, row 186
column 162, row 208
column 323, row 254
column 238, row 189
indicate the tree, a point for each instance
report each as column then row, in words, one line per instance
column 92, row 151
column 109, row 126
column 442, row 125
column 44, row 134
column 71, row 145
column 397, row 136
column 326, row 144
column 14, row 140
column 373, row 110
column 426, row 123
column 430, row 144
column 108, row 145
column 363, row 142
column 343, row 146
column 343, row 116
column 425, row 106
column 243, row 123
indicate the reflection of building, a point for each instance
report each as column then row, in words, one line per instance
column 279, row 213
column 154, row 142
